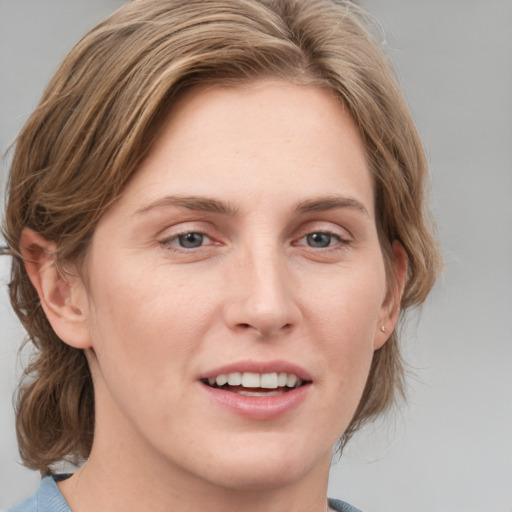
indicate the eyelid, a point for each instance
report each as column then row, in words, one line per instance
column 188, row 232
column 327, row 227
column 169, row 236
column 343, row 240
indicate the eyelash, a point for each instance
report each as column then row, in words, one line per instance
column 340, row 241
column 173, row 243
column 168, row 242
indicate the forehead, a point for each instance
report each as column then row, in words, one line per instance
column 256, row 141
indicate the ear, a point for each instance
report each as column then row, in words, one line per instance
column 391, row 307
column 63, row 297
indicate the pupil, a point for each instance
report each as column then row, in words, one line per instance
column 191, row 240
column 319, row 240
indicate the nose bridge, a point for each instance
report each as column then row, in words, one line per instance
column 268, row 276
column 265, row 299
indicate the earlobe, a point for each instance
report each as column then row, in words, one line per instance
column 61, row 295
column 391, row 307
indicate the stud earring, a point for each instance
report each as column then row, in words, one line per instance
column 383, row 328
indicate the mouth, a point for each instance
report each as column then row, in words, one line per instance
column 253, row 384
column 258, row 390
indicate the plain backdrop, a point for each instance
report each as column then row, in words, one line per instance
column 450, row 448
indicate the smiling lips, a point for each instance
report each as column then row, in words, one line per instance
column 260, row 393
column 241, row 383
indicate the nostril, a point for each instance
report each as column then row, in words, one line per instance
column 262, row 331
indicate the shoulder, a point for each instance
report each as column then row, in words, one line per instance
column 28, row 505
column 47, row 498
column 341, row 506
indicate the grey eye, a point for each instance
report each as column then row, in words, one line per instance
column 191, row 240
column 319, row 240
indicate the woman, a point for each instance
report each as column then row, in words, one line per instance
column 216, row 216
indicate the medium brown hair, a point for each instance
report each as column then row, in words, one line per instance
column 102, row 111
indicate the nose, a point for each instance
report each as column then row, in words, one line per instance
column 262, row 294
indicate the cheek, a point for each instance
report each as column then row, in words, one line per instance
column 349, row 303
column 347, row 316
column 140, row 326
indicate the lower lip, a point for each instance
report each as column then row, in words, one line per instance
column 259, row 407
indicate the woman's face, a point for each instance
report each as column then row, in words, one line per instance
column 244, row 249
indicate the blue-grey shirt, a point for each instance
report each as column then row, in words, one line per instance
column 48, row 498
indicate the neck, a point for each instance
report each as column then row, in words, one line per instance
column 125, row 473
column 102, row 485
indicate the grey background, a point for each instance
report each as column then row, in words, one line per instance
column 450, row 449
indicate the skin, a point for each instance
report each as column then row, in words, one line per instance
column 281, row 162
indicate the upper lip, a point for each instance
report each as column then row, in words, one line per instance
column 277, row 366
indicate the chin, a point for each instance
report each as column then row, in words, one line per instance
column 265, row 467
column 255, row 477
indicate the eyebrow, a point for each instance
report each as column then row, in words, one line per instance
column 201, row 204
column 210, row 205
column 319, row 204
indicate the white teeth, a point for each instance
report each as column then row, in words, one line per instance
column 269, row 381
column 235, row 379
column 291, row 380
column 257, row 380
column 221, row 380
column 255, row 393
column 251, row 380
